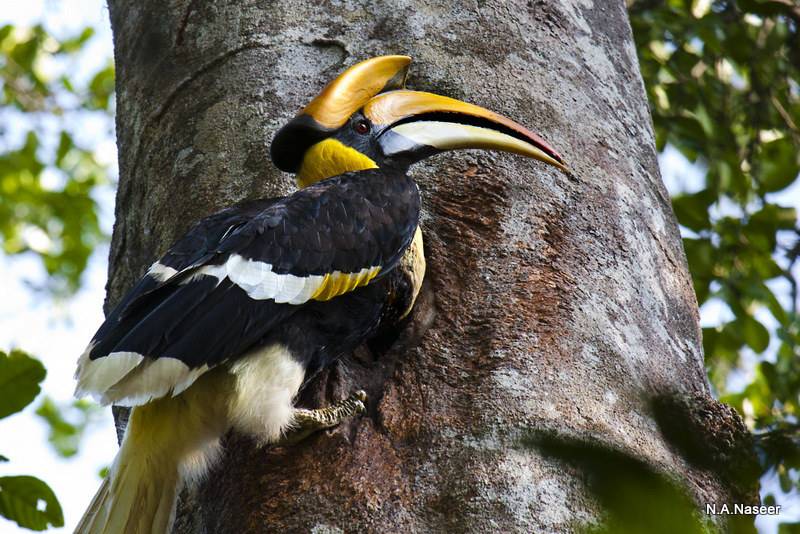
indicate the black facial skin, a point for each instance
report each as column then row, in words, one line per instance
column 381, row 144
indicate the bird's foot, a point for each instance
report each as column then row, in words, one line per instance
column 306, row 422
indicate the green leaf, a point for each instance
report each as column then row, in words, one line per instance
column 102, row 87
column 64, row 435
column 779, row 217
column 769, row 299
column 22, row 499
column 755, row 334
column 784, row 480
column 701, row 255
column 20, row 376
column 779, row 165
column 692, row 209
column 765, row 8
column 689, row 134
column 72, row 46
column 765, row 267
column 763, row 225
column 731, row 337
column 5, row 31
column 64, row 146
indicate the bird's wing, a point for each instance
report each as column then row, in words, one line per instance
column 237, row 274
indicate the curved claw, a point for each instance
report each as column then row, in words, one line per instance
column 306, row 422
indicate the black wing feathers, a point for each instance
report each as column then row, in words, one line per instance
column 205, row 237
column 345, row 223
column 363, row 214
column 198, row 242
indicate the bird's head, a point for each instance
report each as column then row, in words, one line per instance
column 366, row 119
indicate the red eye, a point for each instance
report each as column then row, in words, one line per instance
column 362, row 127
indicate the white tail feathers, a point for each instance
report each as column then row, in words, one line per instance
column 130, row 502
column 174, row 440
column 168, row 442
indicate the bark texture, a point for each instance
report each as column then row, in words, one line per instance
column 557, row 311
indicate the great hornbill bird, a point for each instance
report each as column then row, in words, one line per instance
column 226, row 328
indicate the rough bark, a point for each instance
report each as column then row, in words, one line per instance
column 557, row 319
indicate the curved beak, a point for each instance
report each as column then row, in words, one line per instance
column 334, row 105
column 417, row 123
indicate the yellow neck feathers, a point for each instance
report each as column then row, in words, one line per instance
column 329, row 158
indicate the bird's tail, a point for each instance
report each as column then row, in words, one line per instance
column 167, row 441
column 131, row 501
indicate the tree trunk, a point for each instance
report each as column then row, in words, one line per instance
column 554, row 358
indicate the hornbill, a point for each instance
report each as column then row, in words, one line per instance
column 224, row 330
